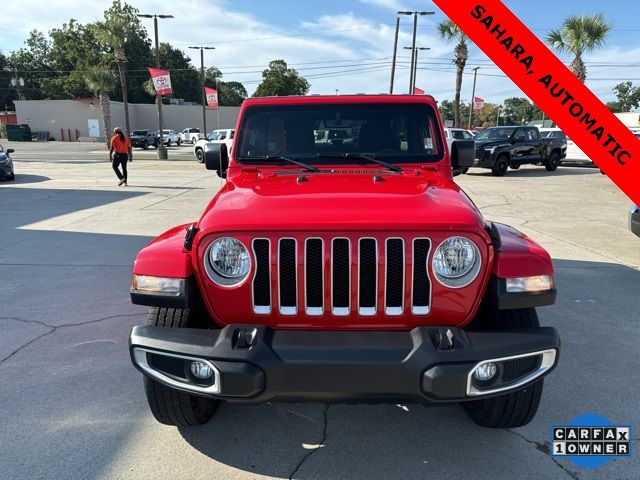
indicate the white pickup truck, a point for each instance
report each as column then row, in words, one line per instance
column 224, row 135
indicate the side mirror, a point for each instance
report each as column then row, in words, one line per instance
column 216, row 158
column 463, row 154
column 9, row 150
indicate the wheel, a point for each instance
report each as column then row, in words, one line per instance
column 179, row 141
column 199, row 155
column 465, row 170
column 145, row 145
column 514, row 409
column 11, row 177
column 168, row 143
column 514, row 166
column 552, row 163
column 167, row 405
column 500, row 166
column 155, row 144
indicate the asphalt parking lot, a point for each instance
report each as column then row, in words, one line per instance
column 72, row 406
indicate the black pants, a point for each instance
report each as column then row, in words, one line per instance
column 120, row 159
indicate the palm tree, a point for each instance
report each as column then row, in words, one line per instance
column 102, row 82
column 150, row 90
column 579, row 34
column 112, row 32
column 450, row 32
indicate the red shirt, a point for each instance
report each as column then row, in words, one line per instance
column 120, row 146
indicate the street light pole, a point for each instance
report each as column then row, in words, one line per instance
column 473, row 94
column 413, row 46
column 162, row 151
column 395, row 50
column 414, row 70
column 498, row 117
column 204, row 95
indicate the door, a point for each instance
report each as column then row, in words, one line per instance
column 520, row 147
column 537, row 146
column 94, row 127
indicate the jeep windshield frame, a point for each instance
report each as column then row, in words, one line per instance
column 396, row 133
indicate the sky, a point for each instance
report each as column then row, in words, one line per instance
column 345, row 45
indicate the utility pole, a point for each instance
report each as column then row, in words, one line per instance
column 414, row 62
column 413, row 43
column 473, row 94
column 395, row 51
column 498, row 117
column 204, row 95
column 162, row 151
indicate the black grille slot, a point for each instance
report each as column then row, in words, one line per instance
column 287, row 272
column 340, row 273
column 367, row 273
column 262, row 280
column 421, row 285
column 313, row 274
column 519, row 367
column 169, row 365
column 395, row 275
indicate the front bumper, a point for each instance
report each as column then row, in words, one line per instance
column 6, row 169
column 255, row 364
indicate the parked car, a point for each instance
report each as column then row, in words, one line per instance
column 216, row 136
column 500, row 148
column 343, row 273
column 6, row 164
column 170, row 137
column 634, row 219
column 144, row 138
column 191, row 135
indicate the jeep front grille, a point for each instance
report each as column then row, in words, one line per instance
column 341, row 276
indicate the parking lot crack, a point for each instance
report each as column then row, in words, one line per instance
column 314, row 450
column 544, row 448
column 53, row 328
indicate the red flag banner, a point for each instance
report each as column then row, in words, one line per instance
column 478, row 103
column 552, row 86
column 161, row 81
column 418, row 91
column 212, row 97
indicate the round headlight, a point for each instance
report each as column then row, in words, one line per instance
column 456, row 262
column 229, row 261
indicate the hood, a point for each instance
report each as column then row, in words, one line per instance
column 340, row 200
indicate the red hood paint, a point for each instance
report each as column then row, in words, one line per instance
column 261, row 199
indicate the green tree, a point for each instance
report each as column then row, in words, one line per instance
column 486, row 117
column 627, row 98
column 447, row 111
column 229, row 93
column 185, row 78
column 450, row 32
column 580, row 34
column 519, row 111
column 102, row 82
column 279, row 80
column 123, row 34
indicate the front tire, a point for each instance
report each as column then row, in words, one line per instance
column 167, row 405
column 200, row 155
column 145, row 145
column 500, row 166
column 514, row 409
column 179, row 141
column 553, row 162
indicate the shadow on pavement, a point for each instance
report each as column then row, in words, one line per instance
column 26, row 178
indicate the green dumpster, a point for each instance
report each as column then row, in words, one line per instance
column 19, row 133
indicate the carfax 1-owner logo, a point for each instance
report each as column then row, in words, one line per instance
column 590, row 440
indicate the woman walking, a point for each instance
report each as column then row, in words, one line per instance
column 120, row 154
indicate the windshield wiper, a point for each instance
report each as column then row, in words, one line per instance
column 359, row 156
column 278, row 158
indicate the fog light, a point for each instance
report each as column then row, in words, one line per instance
column 486, row 371
column 201, row 370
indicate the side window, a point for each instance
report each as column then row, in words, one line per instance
column 519, row 135
column 222, row 136
column 458, row 135
column 532, row 134
column 467, row 136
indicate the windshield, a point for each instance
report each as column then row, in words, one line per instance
column 395, row 133
column 495, row 134
column 213, row 135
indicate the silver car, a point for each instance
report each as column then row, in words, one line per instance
column 6, row 164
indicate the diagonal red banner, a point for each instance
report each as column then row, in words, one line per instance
column 552, row 86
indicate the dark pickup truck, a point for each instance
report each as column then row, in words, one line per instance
column 144, row 138
column 499, row 148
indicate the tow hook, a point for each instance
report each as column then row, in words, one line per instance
column 244, row 337
column 444, row 339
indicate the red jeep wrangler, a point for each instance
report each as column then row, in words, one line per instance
column 341, row 263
